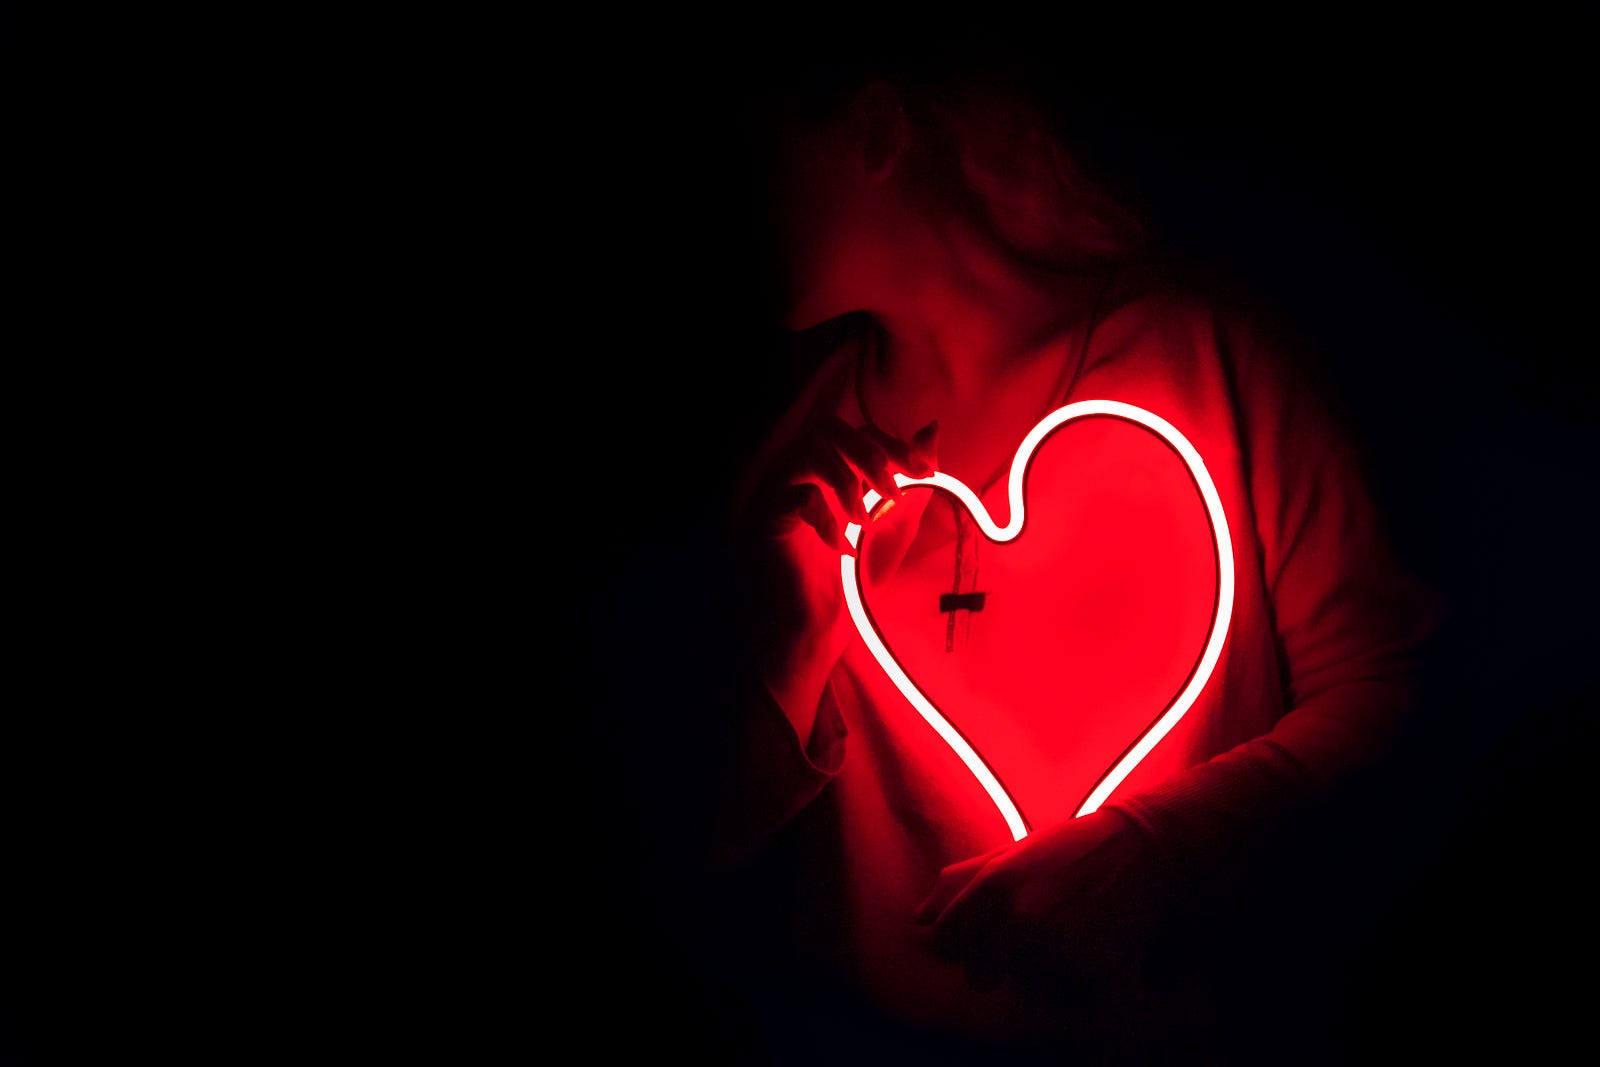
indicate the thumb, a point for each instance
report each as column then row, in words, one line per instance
column 925, row 444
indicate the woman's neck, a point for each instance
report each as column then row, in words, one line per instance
column 968, row 311
column 970, row 333
column 986, row 377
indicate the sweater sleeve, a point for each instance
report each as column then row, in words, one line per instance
column 1349, row 621
column 774, row 775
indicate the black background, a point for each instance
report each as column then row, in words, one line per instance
column 540, row 250
column 1409, row 198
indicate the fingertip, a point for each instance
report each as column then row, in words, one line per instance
column 925, row 442
column 833, row 535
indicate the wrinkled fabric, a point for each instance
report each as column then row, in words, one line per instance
column 1314, row 679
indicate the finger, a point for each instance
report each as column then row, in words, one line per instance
column 867, row 457
column 821, row 515
column 803, row 505
column 830, row 471
column 951, row 881
column 975, row 913
column 908, row 457
column 925, row 445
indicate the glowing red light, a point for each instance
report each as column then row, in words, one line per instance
column 1153, row 734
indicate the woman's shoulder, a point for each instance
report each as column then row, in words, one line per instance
column 1161, row 298
column 1154, row 309
column 1165, row 290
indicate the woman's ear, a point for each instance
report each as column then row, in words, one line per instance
column 881, row 129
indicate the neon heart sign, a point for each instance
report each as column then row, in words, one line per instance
column 1152, row 735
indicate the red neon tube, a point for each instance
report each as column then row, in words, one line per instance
column 1175, row 711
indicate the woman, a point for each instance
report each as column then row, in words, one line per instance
column 971, row 282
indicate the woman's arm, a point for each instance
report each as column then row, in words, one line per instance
column 1350, row 622
column 790, row 737
column 1074, row 900
column 772, row 773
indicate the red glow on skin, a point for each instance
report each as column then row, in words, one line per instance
column 1111, row 621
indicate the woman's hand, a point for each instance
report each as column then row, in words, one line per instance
column 1072, row 905
column 796, row 529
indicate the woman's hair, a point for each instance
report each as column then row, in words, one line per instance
column 1008, row 164
column 989, row 149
